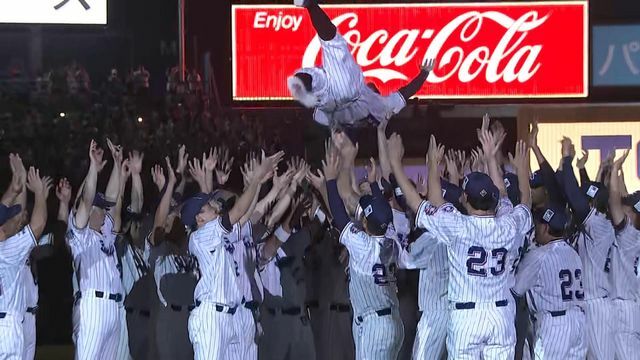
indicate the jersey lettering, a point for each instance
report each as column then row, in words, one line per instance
column 381, row 275
column 478, row 260
column 567, row 279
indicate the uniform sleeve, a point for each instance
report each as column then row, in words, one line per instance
column 521, row 215
column 17, row 248
column 211, row 235
column 320, row 117
column 504, row 207
column 528, row 271
column 628, row 238
column 355, row 240
column 393, row 103
column 418, row 253
column 598, row 228
column 78, row 239
column 442, row 222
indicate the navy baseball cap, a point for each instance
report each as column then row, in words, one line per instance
column 555, row 216
column 100, row 201
column 536, row 180
column 633, row 200
column 377, row 211
column 192, row 207
column 478, row 186
column 597, row 192
column 7, row 212
column 512, row 185
column 450, row 192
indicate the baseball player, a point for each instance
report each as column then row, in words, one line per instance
column 98, row 312
column 337, row 90
column 625, row 253
column 16, row 243
column 550, row 276
column 481, row 324
column 377, row 328
column 593, row 245
column 217, row 295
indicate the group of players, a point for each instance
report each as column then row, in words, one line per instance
column 303, row 264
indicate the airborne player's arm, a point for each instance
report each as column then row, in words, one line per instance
column 415, row 85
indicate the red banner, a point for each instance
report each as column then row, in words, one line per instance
column 483, row 50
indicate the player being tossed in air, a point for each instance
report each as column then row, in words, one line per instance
column 337, row 91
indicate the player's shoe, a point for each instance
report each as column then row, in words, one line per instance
column 300, row 3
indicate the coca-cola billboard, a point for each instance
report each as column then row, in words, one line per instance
column 496, row 50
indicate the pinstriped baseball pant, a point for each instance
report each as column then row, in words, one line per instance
column 29, row 333
column 96, row 328
column 487, row 334
column 431, row 337
column 561, row 337
column 378, row 337
column 246, row 347
column 11, row 338
column 599, row 328
column 627, row 334
column 211, row 332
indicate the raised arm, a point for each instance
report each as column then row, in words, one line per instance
column 331, row 168
column 125, row 172
column 521, row 162
column 434, row 187
column 491, row 146
column 197, row 171
column 615, row 195
column 348, row 152
column 383, row 156
column 416, row 84
column 396, row 152
column 113, row 186
column 577, row 200
column 137, row 191
column 162, row 212
column 580, row 164
column 279, row 184
column 209, row 162
column 89, row 185
column 261, row 175
column 548, row 175
column 40, row 188
column 63, row 193
column 18, row 180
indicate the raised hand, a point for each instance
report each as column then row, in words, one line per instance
column 421, row 185
column 331, row 166
column 63, row 191
column 19, row 173
column 125, row 170
column 210, row 161
column 116, row 151
column 183, row 158
column 170, row 172
column 36, row 184
column 223, row 170
column 372, row 175
column 428, row 65
column 567, row 147
column 157, row 174
column 617, row 164
column 490, row 143
column 282, row 181
column 521, row 159
column 395, row 149
column 95, row 156
column 196, row 170
column 135, row 162
column 317, row 180
column 533, row 134
column 581, row 162
column 268, row 166
column 342, row 142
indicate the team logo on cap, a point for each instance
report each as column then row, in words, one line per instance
column 592, row 191
column 548, row 215
column 637, row 206
column 398, row 191
column 483, row 193
column 368, row 210
column 507, row 183
column 464, row 183
column 444, row 192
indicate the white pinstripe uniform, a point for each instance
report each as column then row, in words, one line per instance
column 14, row 252
column 175, row 277
column 481, row 324
column 625, row 254
column 430, row 256
column 593, row 248
column 551, row 278
column 211, row 324
column 31, row 293
column 377, row 327
column 344, row 98
column 97, row 315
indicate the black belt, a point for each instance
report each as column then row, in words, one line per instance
column 287, row 311
column 3, row 315
column 472, row 305
column 315, row 304
column 220, row 308
column 558, row 313
column 383, row 312
column 102, row 295
column 32, row 310
column 145, row 313
column 178, row 308
column 340, row 307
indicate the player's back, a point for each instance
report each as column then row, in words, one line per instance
column 559, row 286
column 594, row 244
column 372, row 265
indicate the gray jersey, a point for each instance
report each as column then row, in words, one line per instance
column 372, row 265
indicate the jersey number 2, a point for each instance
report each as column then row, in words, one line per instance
column 477, row 259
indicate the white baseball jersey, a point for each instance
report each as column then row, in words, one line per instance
column 344, row 96
column 551, row 278
column 478, row 248
column 218, row 283
column 372, row 263
column 625, row 253
column 94, row 257
column 14, row 253
column 593, row 247
column 247, row 256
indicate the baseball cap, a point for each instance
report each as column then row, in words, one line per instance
column 597, row 192
column 633, row 200
column 100, row 201
column 192, row 207
column 536, row 179
column 377, row 211
column 512, row 186
column 478, row 186
column 450, row 192
column 555, row 216
column 7, row 212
